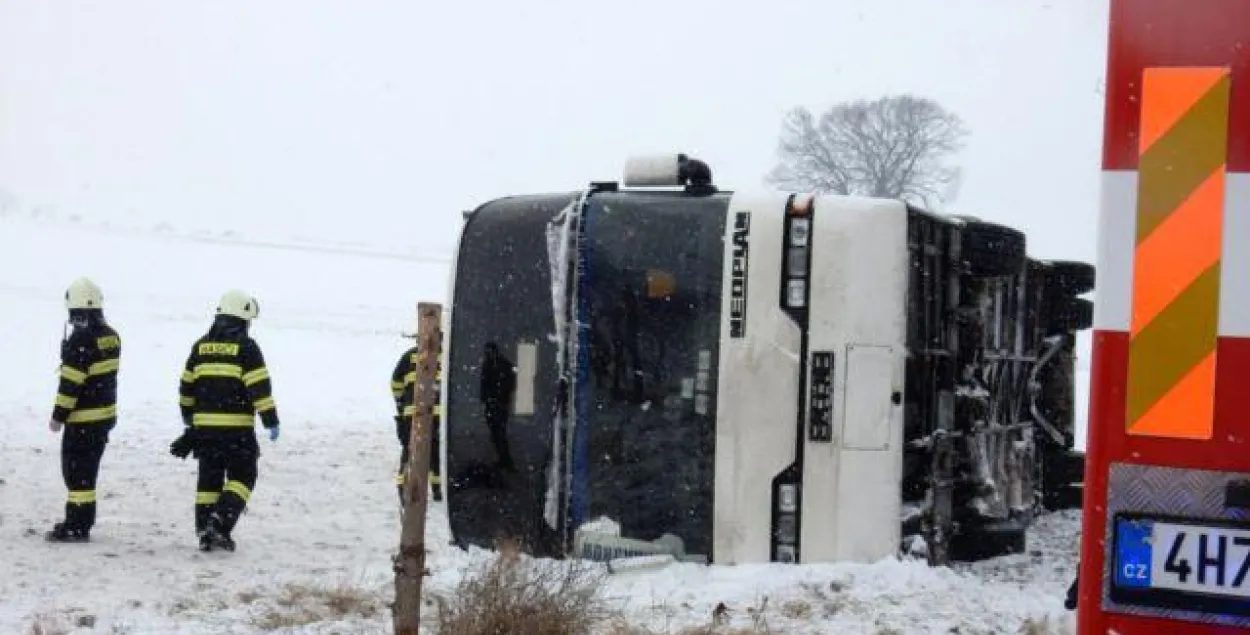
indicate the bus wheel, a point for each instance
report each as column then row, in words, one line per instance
column 1069, row 277
column 1063, row 477
column 1067, row 314
column 992, row 250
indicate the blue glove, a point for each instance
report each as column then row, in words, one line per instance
column 273, row 433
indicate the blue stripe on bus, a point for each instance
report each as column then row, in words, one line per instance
column 580, row 495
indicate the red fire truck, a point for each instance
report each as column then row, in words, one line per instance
column 1166, row 539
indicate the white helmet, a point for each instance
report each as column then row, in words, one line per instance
column 83, row 294
column 239, row 304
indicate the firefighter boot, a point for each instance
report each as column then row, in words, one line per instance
column 216, row 536
column 202, row 514
column 62, row 532
column 1070, row 601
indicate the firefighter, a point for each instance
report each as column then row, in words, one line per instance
column 403, row 389
column 86, row 406
column 224, row 386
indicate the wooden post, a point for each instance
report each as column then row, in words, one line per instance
column 410, row 562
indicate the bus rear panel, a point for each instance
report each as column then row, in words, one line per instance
column 811, row 380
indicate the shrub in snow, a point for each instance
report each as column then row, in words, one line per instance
column 522, row 596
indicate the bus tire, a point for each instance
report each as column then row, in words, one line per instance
column 1065, row 497
column 1070, row 277
column 991, row 250
column 1068, row 315
column 1063, row 479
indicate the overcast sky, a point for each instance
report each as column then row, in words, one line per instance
column 381, row 120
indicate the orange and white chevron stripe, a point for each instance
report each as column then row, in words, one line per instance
column 1176, row 262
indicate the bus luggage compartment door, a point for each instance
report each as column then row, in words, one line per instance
column 871, row 382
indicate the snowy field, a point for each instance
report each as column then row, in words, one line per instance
column 314, row 549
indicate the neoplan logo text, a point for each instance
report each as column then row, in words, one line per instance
column 738, row 275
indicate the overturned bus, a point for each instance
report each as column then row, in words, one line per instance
column 761, row 377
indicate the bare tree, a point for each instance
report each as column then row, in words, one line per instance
column 891, row 147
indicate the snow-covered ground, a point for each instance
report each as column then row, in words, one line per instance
column 316, row 543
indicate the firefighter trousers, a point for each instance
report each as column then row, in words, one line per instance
column 435, row 453
column 82, row 448
column 224, row 487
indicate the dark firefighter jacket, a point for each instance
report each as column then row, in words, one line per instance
column 90, row 356
column 225, row 383
column 403, row 389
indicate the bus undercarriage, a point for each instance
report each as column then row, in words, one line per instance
column 990, row 380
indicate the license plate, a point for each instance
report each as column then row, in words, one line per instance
column 1180, row 563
